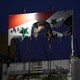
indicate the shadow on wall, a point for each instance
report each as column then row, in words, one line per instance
column 4, row 47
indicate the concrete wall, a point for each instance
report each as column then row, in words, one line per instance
column 23, row 68
column 76, row 70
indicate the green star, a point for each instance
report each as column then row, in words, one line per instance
column 53, row 21
column 24, row 31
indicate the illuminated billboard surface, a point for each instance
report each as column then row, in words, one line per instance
column 40, row 36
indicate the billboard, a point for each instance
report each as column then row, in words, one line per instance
column 40, row 35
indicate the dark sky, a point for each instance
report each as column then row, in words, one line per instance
column 8, row 7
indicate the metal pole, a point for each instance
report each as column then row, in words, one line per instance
column 72, row 45
column 17, row 50
column 45, row 52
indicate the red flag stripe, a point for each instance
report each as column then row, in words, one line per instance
column 44, row 15
column 18, row 19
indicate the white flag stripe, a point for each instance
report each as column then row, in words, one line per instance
column 60, row 16
column 17, row 33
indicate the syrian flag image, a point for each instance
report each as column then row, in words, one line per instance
column 21, row 25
